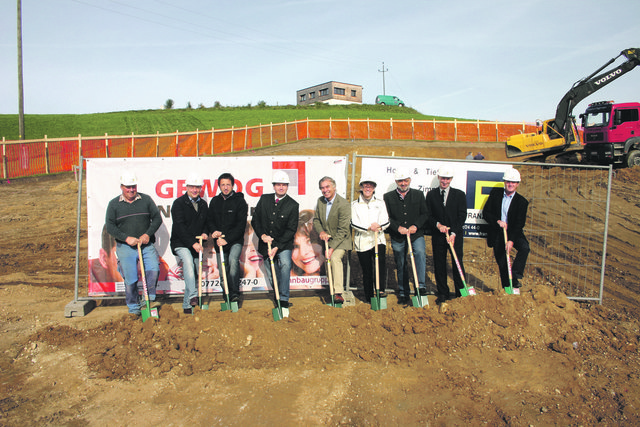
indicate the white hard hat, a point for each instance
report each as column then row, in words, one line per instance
column 511, row 175
column 128, row 178
column 368, row 179
column 194, row 179
column 280, row 177
column 401, row 173
column 445, row 171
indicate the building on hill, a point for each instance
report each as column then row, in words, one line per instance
column 332, row 93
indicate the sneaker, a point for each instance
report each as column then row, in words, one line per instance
column 423, row 292
column 337, row 298
column 187, row 311
column 193, row 301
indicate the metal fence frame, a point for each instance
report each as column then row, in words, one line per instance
column 563, row 211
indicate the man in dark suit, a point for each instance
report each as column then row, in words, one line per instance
column 189, row 215
column 447, row 208
column 275, row 221
column 507, row 209
column 407, row 215
column 332, row 221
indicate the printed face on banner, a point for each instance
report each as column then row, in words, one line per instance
column 252, row 176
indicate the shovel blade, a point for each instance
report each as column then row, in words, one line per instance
column 224, row 306
column 509, row 290
column 467, row 291
column 378, row 303
column 234, row 307
column 335, row 304
column 417, row 301
column 148, row 313
column 204, row 306
column 277, row 314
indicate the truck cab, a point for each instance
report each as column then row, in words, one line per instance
column 612, row 132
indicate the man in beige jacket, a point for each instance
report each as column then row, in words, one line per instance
column 332, row 221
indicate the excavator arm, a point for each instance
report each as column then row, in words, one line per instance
column 560, row 132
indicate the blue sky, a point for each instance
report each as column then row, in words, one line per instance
column 492, row 60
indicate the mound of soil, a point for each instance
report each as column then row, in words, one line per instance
column 537, row 359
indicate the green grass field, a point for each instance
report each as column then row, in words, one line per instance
column 185, row 120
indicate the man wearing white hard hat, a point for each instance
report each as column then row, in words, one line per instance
column 227, row 222
column 407, row 210
column 189, row 216
column 133, row 218
column 275, row 221
column 447, row 214
column 507, row 209
column 368, row 216
column 331, row 220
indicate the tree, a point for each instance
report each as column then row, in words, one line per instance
column 168, row 105
column 189, row 107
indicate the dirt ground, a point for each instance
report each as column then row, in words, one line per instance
column 537, row 359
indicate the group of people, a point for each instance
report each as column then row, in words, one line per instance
column 404, row 213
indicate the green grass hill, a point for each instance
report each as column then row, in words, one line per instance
column 184, row 120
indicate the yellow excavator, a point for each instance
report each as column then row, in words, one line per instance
column 559, row 134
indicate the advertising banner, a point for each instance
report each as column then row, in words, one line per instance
column 475, row 178
column 163, row 179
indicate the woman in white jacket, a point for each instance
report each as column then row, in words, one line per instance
column 368, row 215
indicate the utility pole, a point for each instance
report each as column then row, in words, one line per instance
column 20, row 86
column 383, row 71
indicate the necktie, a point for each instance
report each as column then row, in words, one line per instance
column 442, row 196
column 277, row 200
column 195, row 205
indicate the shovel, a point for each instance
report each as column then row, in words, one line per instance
column 510, row 289
column 147, row 312
column 466, row 290
column 416, row 300
column 202, row 306
column 278, row 312
column 330, row 276
column 228, row 305
column 377, row 303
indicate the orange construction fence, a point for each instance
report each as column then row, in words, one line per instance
column 36, row 157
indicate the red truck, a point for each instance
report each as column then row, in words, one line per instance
column 612, row 133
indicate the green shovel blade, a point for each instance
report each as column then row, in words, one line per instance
column 277, row 314
column 148, row 313
column 416, row 301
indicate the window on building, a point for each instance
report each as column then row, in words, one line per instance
column 303, row 97
column 338, row 91
column 353, row 93
column 312, row 95
column 324, row 92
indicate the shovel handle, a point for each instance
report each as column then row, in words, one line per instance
column 413, row 264
column 329, row 273
column 455, row 257
column 144, row 278
column 199, row 239
column 273, row 273
column 508, row 257
column 375, row 244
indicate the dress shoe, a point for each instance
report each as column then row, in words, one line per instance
column 285, row 304
column 423, row 292
column 187, row 311
column 403, row 300
column 337, row 298
column 383, row 294
column 235, row 298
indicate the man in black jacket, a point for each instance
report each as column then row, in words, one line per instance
column 227, row 221
column 447, row 208
column 407, row 216
column 275, row 221
column 507, row 209
column 189, row 216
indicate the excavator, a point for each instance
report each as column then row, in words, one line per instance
column 557, row 135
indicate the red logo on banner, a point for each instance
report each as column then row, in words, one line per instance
column 297, row 174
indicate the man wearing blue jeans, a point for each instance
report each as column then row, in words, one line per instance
column 407, row 210
column 189, row 215
column 133, row 218
column 227, row 221
column 275, row 221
